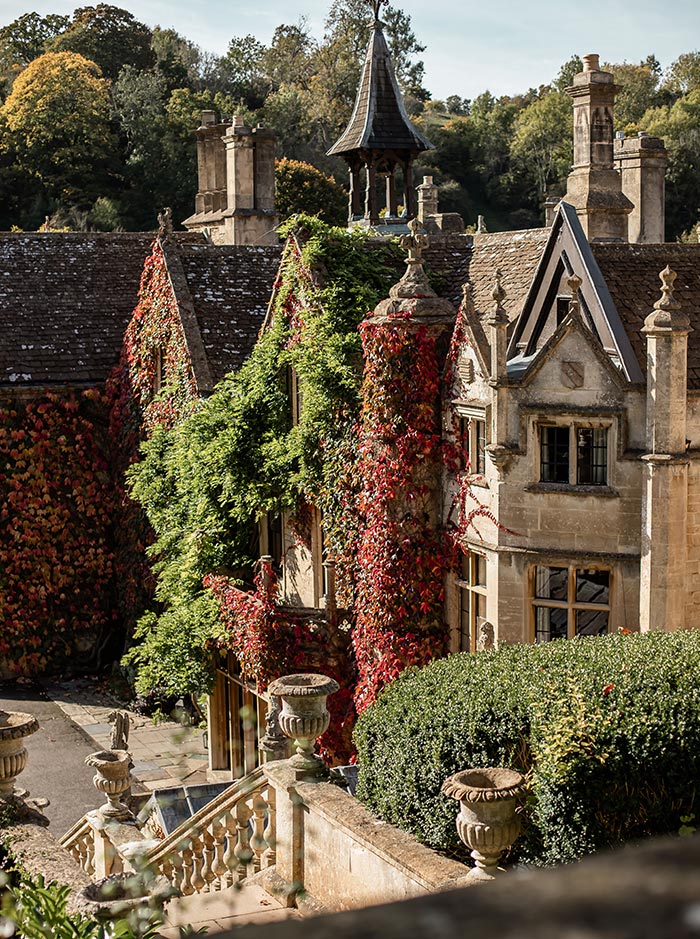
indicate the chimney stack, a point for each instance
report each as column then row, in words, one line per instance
column 641, row 162
column 594, row 186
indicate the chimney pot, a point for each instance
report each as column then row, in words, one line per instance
column 591, row 62
column 208, row 117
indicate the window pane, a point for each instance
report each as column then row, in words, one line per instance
column 591, row 622
column 464, row 621
column 552, row 583
column 464, row 571
column 592, row 456
column 479, row 461
column 480, row 570
column 550, row 624
column 593, row 586
column 480, row 603
column 463, row 442
column 554, row 454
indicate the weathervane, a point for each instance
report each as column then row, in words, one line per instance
column 376, row 7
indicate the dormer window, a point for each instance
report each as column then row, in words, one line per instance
column 573, row 455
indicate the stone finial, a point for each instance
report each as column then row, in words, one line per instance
column 414, row 282
column 667, row 310
column 165, row 222
column 481, row 225
column 574, row 284
column 376, row 6
column 498, row 316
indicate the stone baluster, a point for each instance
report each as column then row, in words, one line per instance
column 257, row 840
column 243, row 850
column 197, row 863
column 270, row 856
column 219, row 866
column 186, row 887
column 230, row 859
column 89, row 856
column 177, row 878
column 208, row 867
column 167, row 870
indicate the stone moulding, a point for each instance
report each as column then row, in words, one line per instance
column 484, row 785
column 303, row 685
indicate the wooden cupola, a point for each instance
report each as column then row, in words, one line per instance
column 379, row 139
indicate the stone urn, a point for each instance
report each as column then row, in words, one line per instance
column 304, row 717
column 112, row 777
column 487, row 822
column 14, row 727
column 117, row 896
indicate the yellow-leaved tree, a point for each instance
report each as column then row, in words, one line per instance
column 56, row 123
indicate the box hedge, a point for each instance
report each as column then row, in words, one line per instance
column 606, row 729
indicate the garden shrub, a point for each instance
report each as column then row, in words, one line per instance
column 606, row 729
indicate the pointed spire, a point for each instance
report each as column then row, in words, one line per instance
column 667, row 313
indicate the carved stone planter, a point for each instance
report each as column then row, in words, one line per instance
column 304, row 717
column 14, row 727
column 487, row 822
column 118, row 895
column 112, row 778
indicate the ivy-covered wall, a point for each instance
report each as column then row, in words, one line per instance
column 58, row 600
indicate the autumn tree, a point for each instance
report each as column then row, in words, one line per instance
column 109, row 36
column 301, row 188
column 56, row 123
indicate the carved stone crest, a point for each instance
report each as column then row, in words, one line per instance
column 572, row 374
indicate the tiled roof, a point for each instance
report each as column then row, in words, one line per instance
column 631, row 273
column 230, row 286
column 65, row 301
column 379, row 120
column 516, row 254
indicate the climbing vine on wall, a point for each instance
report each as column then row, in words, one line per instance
column 205, row 482
column 57, row 567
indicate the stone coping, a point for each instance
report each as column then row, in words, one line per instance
column 399, row 849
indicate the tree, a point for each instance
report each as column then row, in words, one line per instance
column 177, row 59
column 24, row 40
column 242, row 68
column 302, row 189
column 542, row 143
column 288, row 61
column 108, row 35
column 57, row 124
column 565, row 78
column 639, row 85
column 683, row 75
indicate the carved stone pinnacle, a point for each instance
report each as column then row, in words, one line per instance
column 376, row 6
column 498, row 293
column 574, row 284
column 414, row 282
column 667, row 301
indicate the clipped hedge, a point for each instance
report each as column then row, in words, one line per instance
column 607, row 729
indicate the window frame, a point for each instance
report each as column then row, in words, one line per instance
column 471, row 421
column 470, row 589
column 572, row 605
column 574, row 426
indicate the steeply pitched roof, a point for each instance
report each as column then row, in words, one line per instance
column 632, row 275
column 230, row 287
column 516, row 254
column 65, row 301
column 379, row 120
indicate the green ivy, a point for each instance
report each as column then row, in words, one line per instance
column 607, row 731
column 205, row 482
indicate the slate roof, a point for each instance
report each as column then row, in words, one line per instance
column 230, row 286
column 65, row 301
column 379, row 120
column 631, row 273
column 516, row 254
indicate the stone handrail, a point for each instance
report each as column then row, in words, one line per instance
column 229, row 839
column 79, row 841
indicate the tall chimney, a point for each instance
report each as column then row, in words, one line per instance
column 594, row 186
column 641, row 162
column 251, row 217
column 211, row 199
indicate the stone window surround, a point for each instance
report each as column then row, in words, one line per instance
column 571, row 604
column 573, row 421
column 471, row 589
column 474, row 413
